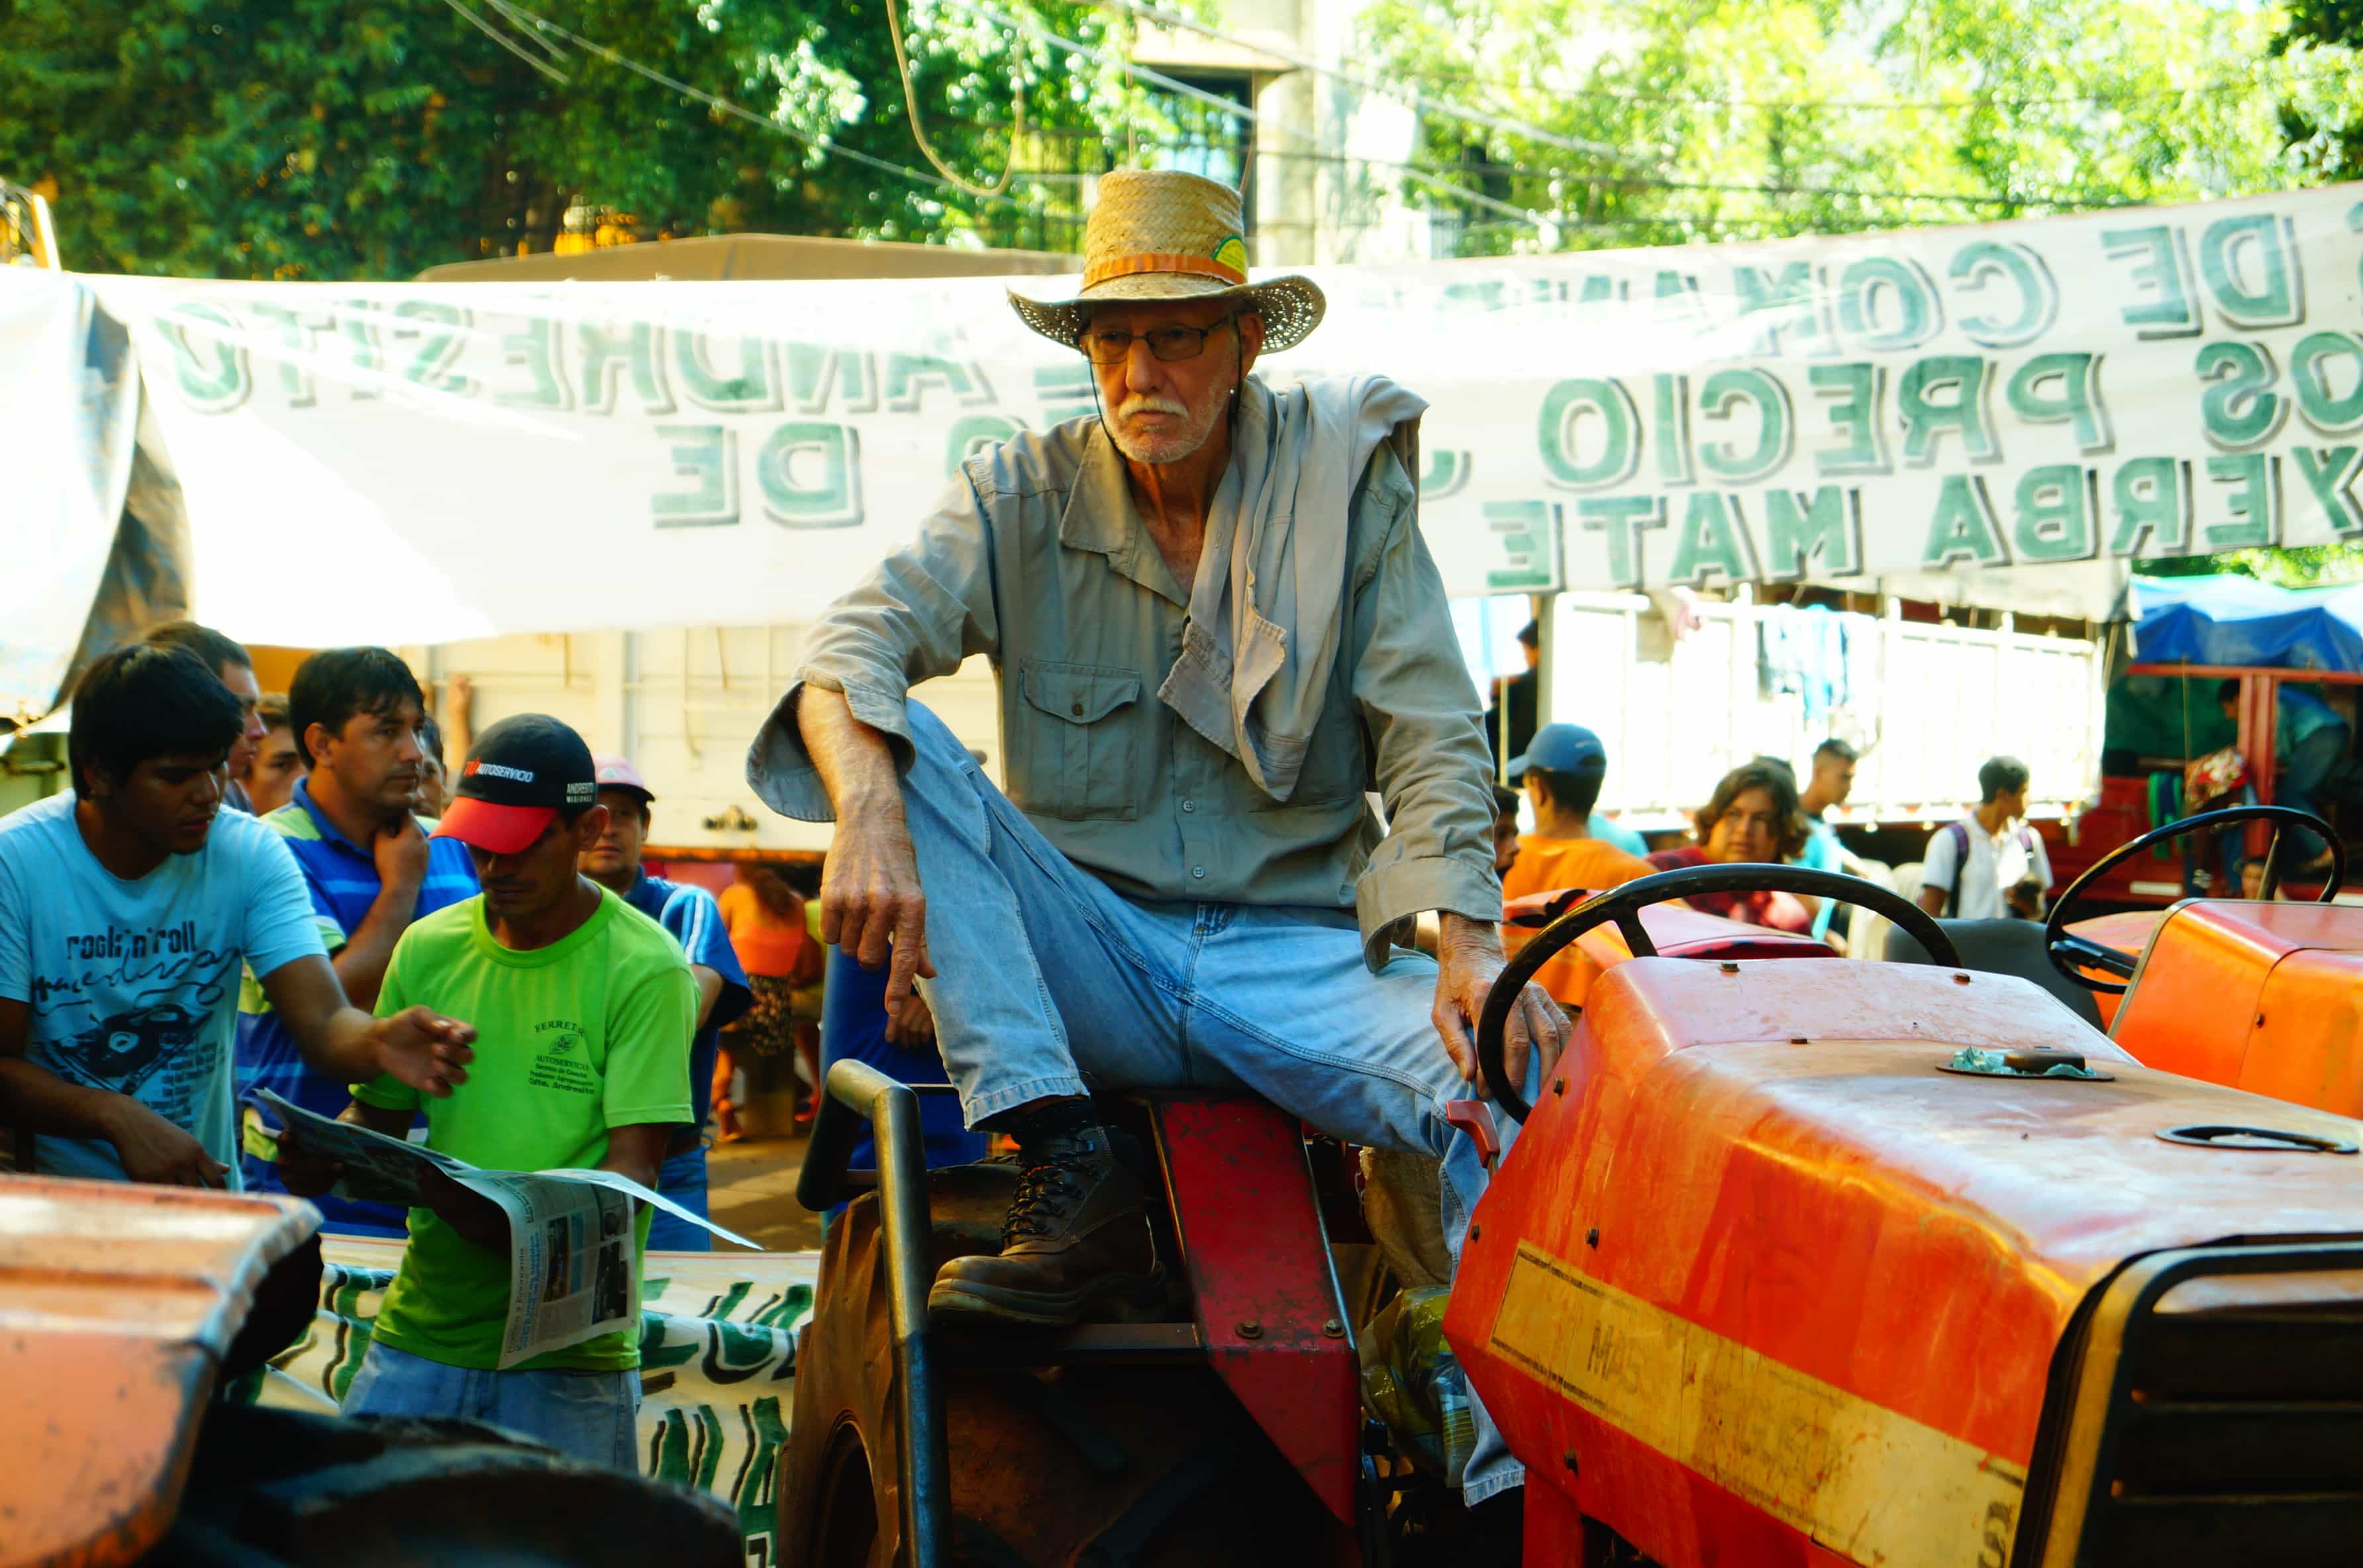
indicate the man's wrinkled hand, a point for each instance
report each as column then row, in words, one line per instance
column 1468, row 961
column 154, row 1150
column 913, row 1027
column 870, row 904
column 472, row 1216
column 424, row 1049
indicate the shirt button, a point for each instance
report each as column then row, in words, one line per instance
column 1077, row 710
column 1198, row 871
column 1189, row 805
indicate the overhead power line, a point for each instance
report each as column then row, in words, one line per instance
column 1972, row 100
column 1393, row 91
column 526, row 18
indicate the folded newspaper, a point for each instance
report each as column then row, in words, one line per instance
column 571, row 1253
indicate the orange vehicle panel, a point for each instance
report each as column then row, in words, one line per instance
column 116, row 1304
column 2261, row 996
column 2127, row 932
column 1758, row 1284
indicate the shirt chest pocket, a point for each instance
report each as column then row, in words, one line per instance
column 1076, row 748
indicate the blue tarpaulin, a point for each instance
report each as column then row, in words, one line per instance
column 2240, row 620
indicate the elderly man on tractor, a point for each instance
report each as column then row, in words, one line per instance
column 1215, row 627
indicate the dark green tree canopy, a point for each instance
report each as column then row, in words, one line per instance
column 331, row 139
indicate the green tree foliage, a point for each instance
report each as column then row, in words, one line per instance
column 1744, row 118
column 369, row 139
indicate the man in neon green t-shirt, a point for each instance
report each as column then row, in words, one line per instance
column 585, row 1009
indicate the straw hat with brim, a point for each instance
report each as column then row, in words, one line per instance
column 1163, row 234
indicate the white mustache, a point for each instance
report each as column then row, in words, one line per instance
column 1150, row 405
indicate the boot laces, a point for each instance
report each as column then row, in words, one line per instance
column 1044, row 1187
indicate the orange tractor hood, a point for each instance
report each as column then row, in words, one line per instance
column 117, row 1303
column 1754, row 1257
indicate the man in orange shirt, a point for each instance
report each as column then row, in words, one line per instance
column 1561, row 773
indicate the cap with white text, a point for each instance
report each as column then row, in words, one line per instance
column 520, row 773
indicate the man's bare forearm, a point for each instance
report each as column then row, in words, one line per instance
column 38, row 1100
column 360, row 964
column 855, row 764
column 1459, row 932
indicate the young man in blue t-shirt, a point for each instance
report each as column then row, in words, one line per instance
column 127, row 909
column 369, row 868
column 690, row 913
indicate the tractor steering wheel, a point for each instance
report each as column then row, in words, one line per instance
column 2069, row 951
column 1623, row 907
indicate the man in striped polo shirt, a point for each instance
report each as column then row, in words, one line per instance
column 371, row 870
column 689, row 913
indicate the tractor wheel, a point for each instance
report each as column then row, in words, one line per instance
column 272, row 1488
column 1152, row 1464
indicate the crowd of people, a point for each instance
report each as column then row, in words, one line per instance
column 1989, row 864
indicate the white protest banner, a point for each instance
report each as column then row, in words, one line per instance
column 717, row 1364
column 2095, row 388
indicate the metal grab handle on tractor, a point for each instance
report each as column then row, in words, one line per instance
column 1475, row 1117
column 1623, row 907
column 858, row 1092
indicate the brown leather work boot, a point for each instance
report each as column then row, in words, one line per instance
column 1077, row 1234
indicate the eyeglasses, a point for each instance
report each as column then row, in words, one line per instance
column 1109, row 346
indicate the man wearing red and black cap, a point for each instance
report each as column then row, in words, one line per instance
column 585, row 1009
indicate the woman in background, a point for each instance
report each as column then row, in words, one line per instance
column 768, row 930
column 1753, row 818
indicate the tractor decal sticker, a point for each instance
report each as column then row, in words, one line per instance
column 1857, row 1477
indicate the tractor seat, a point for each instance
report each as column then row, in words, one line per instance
column 2002, row 947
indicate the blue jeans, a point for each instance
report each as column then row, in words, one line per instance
column 1151, row 995
column 590, row 1416
column 681, row 1177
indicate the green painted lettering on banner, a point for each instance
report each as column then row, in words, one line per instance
column 976, row 433
column 1528, row 531
column 607, row 355
column 208, row 360
column 909, row 376
column 2250, row 264
column 540, row 351
column 1977, row 266
column 1945, row 393
column 442, row 332
column 1776, row 424
column 1559, row 430
column 1855, row 395
column 297, row 333
column 2252, row 503
column 753, row 387
column 1713, row 539
column 2329, row 473
column 1798, row 318
column 1821, row 536
column 1962, row 528
column 811, row 476
column 2064, row 388
column 706, row 455
column 2326, row 369
column 2239, row 408
column 2056, row 506
column 1624, row 518
column 2161, row 275
column 815, row 373
column 1674, row 430
column 1887, row 306
column 2153, row 501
